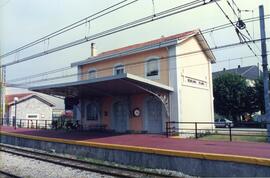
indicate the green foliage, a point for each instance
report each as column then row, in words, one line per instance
column 260, row 94
column 233, row 96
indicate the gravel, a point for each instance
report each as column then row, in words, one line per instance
column 27, row 167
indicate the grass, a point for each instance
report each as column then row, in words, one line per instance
column 247, row 138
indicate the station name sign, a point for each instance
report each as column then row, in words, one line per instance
column 193, row 82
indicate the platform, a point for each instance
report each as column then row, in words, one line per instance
column 260, row 150
column 237, row 152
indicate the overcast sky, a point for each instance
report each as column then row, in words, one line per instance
column 23, row 21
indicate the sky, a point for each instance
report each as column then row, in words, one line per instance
column 23, row 21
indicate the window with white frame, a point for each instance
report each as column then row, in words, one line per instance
column 119, row 69
column 152, row 68
column 92, row 73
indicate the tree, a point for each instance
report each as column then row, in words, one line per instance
column 233, row 97
column 260, row 94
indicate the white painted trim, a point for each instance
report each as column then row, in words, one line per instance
column 117, row 65
column 150, row 82
column 125, row 76
column 145, row 67
column 174, row 81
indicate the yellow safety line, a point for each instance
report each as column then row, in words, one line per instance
column 167, row 152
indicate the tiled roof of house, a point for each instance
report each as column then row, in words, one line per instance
column 250, row 72
column 57, row 103
column 10, row 98
column 159, row 40
column 149, row 45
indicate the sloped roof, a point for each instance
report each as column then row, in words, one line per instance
column 10, row 98
column 249, row 72
column 179, row 36
column 57, row 103
column 149, row 45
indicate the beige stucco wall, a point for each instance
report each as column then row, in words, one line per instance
column 31, row 106
column 134, row 64
column 196, row 100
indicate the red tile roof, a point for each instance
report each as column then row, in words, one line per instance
column 160, row 40
column 10, row 98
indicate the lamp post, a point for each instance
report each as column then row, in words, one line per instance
column 15, row 108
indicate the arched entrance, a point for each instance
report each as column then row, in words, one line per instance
column 120, row 116
column 153, row 120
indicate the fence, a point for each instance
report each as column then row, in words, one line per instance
column 55, row 123
column 244, row 131
column 27, row 123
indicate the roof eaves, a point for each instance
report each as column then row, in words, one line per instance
column 204, row 44
column 21, row 99
column 33, row 95
column 126, row 53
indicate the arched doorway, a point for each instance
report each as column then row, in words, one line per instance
column 153, row 120
column 120, row 116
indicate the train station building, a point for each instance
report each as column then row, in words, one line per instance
column 139, row 88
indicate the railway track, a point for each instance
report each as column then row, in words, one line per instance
column 82, row 165
column 4, row 174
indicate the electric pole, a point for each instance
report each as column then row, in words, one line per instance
column 265, row 71
column 1, row 93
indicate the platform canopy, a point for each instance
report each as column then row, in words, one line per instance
column 123, row 84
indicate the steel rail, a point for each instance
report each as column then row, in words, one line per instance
column 4, row 174
column 80, row 164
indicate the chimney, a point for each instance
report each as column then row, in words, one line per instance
column 93, row 50
column 239, row 66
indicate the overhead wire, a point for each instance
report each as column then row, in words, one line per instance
column 240, row 34
column 239, row 19
column 205, row 31
column 46, row 52
column 85, row 74
column 209, row 30
column 228, row 25
column 138, row 22
column 71, row 26
column 161, row 58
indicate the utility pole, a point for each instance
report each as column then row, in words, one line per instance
column 265, row 70
column 1, row 93
column 2, row 90
column 2, row 96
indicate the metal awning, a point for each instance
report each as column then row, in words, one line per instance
column 123, row 84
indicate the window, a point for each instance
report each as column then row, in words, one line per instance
column 119, row 69
column 152, row 68
column 92, row 73
column 92, row 111
column 32, row 116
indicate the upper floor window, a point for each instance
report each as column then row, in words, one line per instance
column 92, row 73
column 119, row 69
column 152, row 68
